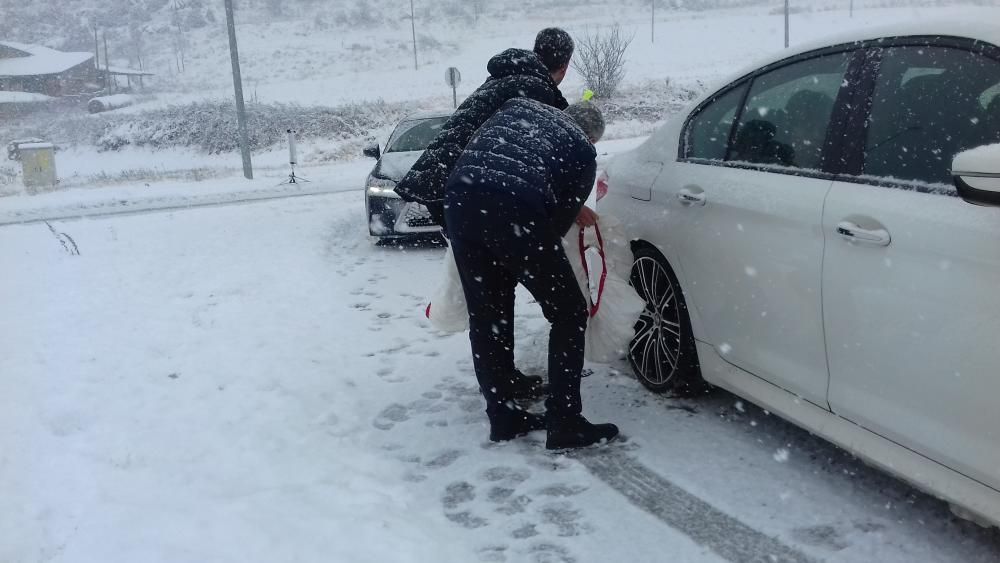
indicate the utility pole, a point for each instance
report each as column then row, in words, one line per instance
column 413, row 27
column 241, row 115
column 107, row 64
column 852, row 8
column 786, row 24
column 97, row 50
column 652, row 22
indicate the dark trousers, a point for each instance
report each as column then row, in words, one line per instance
column 499, row 241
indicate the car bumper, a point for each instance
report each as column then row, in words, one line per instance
column 393, row 217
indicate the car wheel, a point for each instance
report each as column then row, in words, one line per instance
column 662, row 352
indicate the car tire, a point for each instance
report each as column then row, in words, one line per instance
column 662, row 353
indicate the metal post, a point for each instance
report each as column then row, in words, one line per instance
column 652, row 22
column 107, row 65
column 786, row 24
column 413, row 27
column 852, row 8
column 241, row 116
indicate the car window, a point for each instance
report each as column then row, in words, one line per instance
column 415, row 135
column 708, row 132
column 787, row 114
column 930, row 103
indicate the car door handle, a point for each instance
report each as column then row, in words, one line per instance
column 851, row 231
column 690, row 197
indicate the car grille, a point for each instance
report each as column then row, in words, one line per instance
column 418, row 216
column 413, row 218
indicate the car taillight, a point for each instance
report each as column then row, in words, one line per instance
column 602, row 185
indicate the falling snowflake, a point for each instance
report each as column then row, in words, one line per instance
column 751, row 271
column 725, row 348
column 781, row 456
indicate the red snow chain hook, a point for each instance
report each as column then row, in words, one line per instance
column 604, row 267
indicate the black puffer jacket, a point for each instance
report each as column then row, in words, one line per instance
column 513, row 73
column 534, row 152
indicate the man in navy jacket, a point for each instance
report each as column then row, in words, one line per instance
column 514, row 73
column 514, row 193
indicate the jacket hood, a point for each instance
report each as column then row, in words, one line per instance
column 513, row 62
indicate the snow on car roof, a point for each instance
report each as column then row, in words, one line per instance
column 944, row 28
column 39, row 60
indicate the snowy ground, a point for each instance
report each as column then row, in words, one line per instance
column 256, row 382
column 231, row 371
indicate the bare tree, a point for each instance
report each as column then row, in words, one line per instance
column 600, row 59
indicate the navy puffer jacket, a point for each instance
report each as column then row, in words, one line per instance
column 534, row 152
column 513, row 73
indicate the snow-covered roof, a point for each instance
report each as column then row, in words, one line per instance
column 35, row 146
column 39, row 60
column 22, row 97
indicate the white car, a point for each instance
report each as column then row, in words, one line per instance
column 800, row 241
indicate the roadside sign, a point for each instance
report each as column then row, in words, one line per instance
column 452, row 77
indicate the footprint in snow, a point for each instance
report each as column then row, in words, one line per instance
column 505, row 474
column 444, row 459
column 466, row 520
column 492, row 553
column 457, row 493
column 390, row 416
column 566, row 519
column 550, row 553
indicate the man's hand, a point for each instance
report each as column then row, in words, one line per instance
column 587, row 217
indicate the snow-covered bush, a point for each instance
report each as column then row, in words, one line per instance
column 211, row 126
column 600, row 59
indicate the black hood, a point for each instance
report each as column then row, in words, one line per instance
column 516, row 62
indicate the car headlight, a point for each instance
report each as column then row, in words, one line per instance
column 381, row 187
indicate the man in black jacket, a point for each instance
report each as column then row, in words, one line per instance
column 514, row 73
column 515, row 192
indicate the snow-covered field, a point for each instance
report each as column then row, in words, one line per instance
column 257, row 382
column 296, row 60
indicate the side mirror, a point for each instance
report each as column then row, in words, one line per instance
column 372, row 150
column 977, row 175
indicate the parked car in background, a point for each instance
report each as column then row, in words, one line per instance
column 816, row 236
column 389, row 217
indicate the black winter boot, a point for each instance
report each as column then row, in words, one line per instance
column 576, row 432
column 509, row 422
column 525, row 387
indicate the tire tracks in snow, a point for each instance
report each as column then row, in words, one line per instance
column 725, row 535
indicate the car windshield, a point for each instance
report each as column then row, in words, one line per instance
column 415, row 135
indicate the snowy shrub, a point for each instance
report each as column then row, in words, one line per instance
column 650, row 103
column 211, row 126
column 600, row 59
